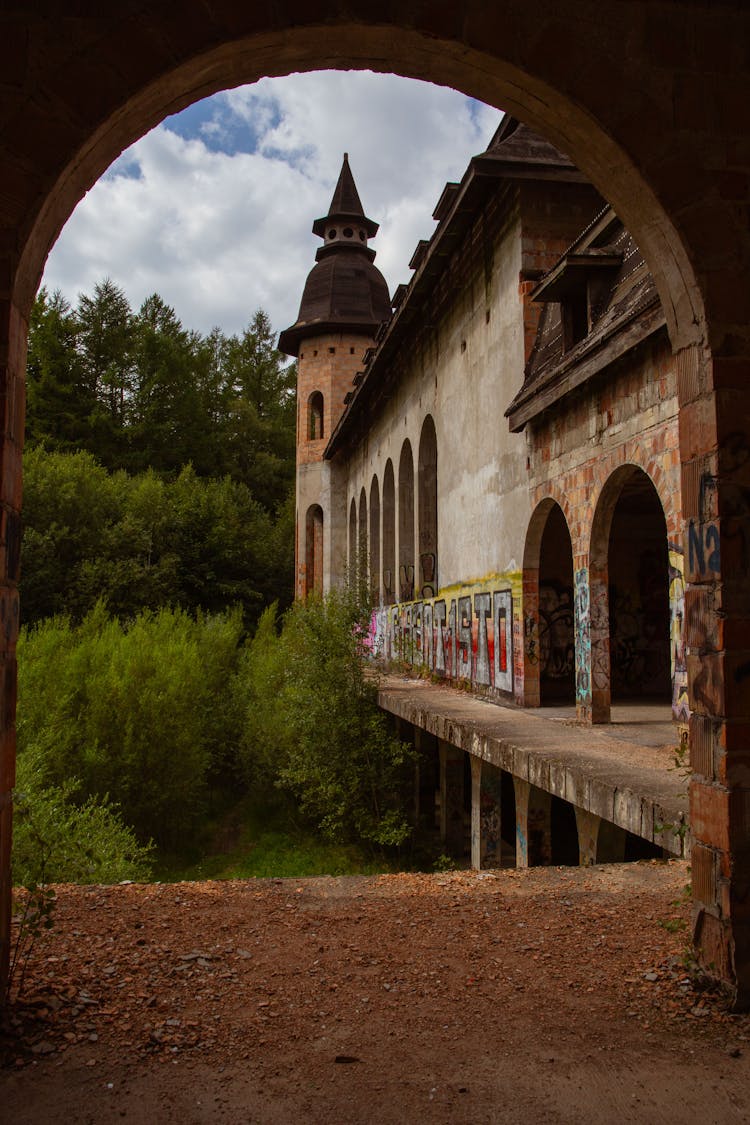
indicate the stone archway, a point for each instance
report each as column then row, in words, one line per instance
column 549, row 638
column 629, row 594
column 651, row 100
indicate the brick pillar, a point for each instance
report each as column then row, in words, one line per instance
column 600, row 670
column 452, row 798
column 486, row 813
column 588, row 825
column 582, row 628
column 715, row 450
column 533, row 825
column 13, row 330
column 531, row 683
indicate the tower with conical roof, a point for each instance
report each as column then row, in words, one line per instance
column 344, row 301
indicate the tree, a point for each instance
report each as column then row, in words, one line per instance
column 59, row 401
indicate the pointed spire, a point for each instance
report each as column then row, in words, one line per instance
column 345, row 204
column 346, row 199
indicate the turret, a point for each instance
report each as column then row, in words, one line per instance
column 344, row 301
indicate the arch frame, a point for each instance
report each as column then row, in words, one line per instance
column 680, row 186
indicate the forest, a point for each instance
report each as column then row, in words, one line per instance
column 178, row 716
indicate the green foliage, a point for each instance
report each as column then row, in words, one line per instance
column 57, row 841
column 141, row 542
column 137, row 711
column 138, row 391
column 312, row 721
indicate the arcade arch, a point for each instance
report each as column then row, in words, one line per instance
column 549, row 637
column 375, row 541
column 389, row 534
column 629, row 594
column 406, row 523
column 314, row 550
column 428, row 509
column 680, row 186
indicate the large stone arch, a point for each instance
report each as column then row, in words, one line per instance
column 652, row 100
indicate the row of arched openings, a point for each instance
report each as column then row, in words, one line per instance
column 390, row 552
column 634, row 593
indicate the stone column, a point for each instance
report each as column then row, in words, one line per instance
column 588, row 836
column 452, row 798
column 485, row 815
column 533, row 825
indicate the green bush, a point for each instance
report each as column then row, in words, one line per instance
column 57, row 841
column 140, row 712
column 312, row 722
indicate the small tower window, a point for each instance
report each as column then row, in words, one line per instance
column 315, row 416
column 348, row 232
column 361, row 236
column 332, row 232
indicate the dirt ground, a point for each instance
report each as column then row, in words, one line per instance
column 550, row 995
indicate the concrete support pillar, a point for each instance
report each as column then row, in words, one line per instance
column 485, row 815
column 533, row 825
column 588, row 824
column 452, row 798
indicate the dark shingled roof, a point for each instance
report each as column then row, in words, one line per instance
column 345, row 204
column 344, row 291
column 627, row 310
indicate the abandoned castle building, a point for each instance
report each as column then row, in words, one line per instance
column 495, row 451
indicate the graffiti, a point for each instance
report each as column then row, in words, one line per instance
column 406, row 583
column 704, row 552
column 503, row 639
column 464, row 637
column 427, row 563
column 468, row 638
column 482, row 611
column 556, row 638
column 599, row 632
column 583, row 635
column 678, row 655
column 531, row 638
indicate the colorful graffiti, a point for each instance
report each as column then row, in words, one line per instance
column 467, row 637
column 583, row 635
column 680, row 703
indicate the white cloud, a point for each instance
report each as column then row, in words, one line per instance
column 219, row 233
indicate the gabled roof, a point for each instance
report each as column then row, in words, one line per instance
column 625, row 310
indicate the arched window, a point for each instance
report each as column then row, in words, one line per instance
column 427, row 489
column 315, row 416
column 406, row 524
column 362, row 553
column 314, row 550
column 375, row 541
column 353, row 541
column 389, row 535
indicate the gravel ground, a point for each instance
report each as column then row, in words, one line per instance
column 548, row 995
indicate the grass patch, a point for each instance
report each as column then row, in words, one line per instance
column 251, row 842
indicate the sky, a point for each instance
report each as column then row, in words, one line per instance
column 213, row 209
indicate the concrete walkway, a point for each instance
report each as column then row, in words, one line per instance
column 619, row 772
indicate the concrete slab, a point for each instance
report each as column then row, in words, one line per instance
column 621, row 772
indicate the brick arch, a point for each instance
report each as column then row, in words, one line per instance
column 533, row 639
column 660, row 127
column 598, row 703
